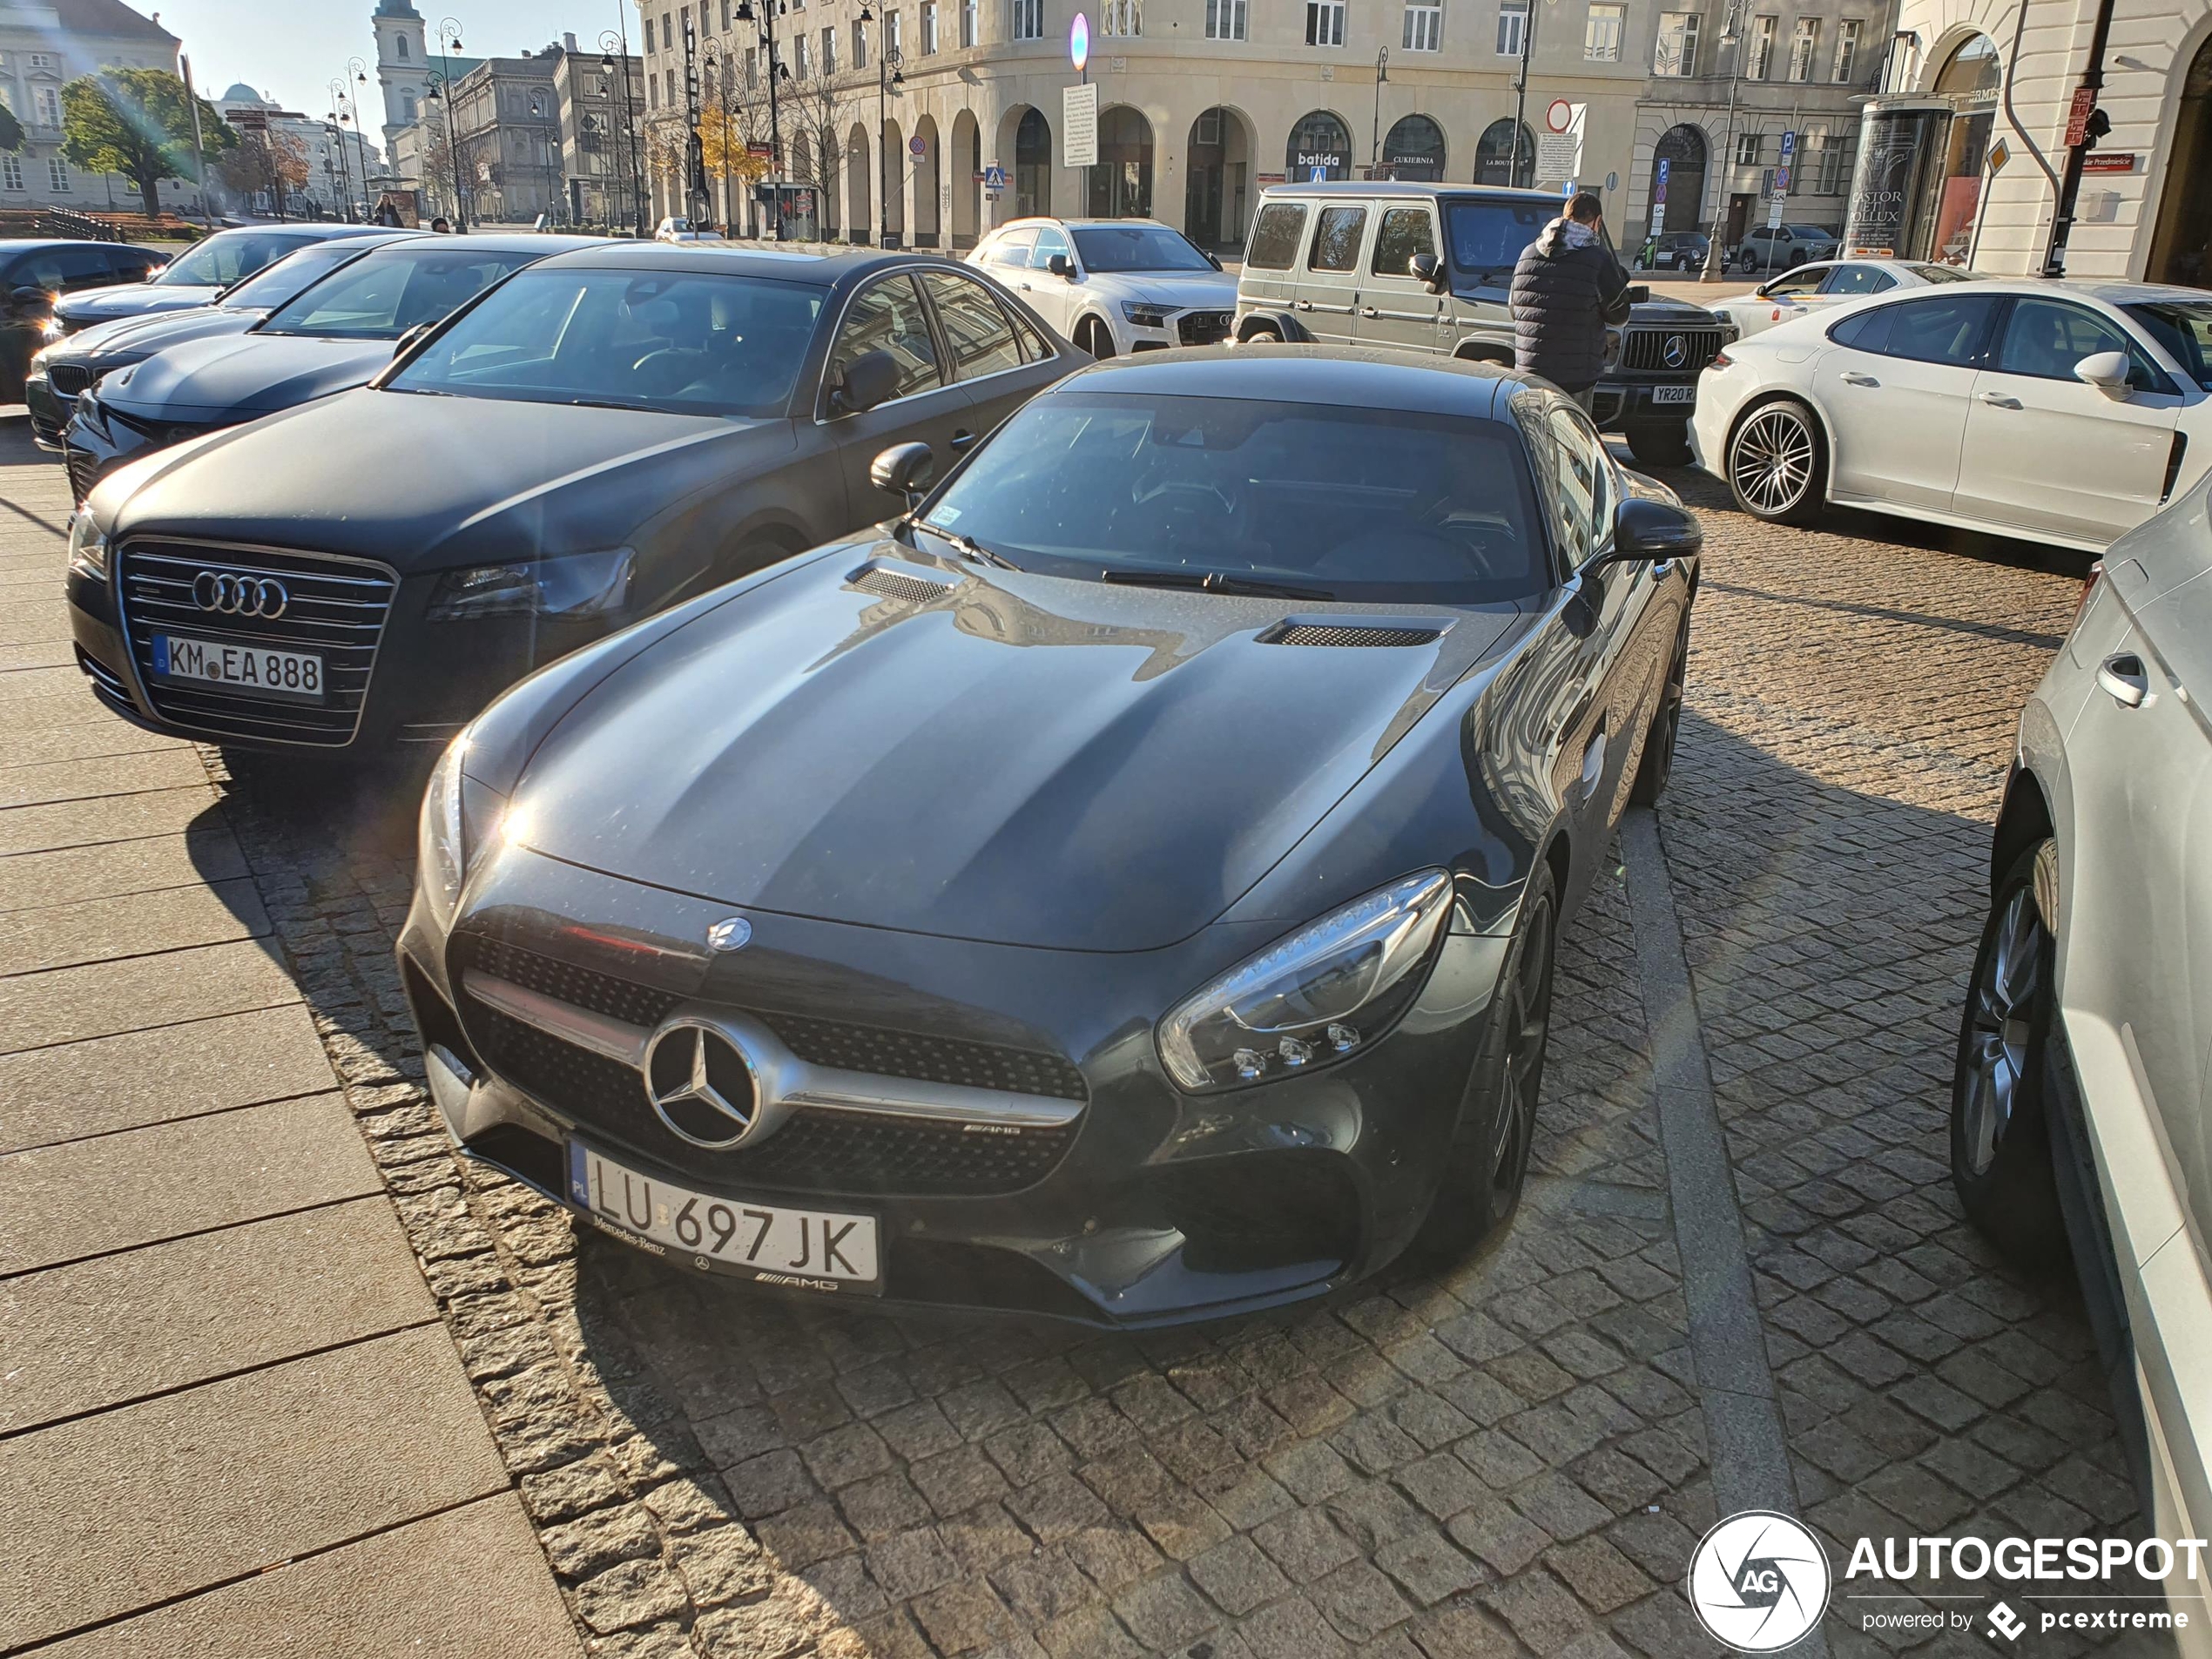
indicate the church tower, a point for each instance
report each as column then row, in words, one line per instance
column 401, row 61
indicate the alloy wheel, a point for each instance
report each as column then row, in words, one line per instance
column 1527, row 1023
column 1770, row 462
column 2001, row 1012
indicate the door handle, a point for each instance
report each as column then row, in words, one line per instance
column 962, row 442
column 1999, row 401
column 2125, row 680
column 1302, row 305
column 1857, row 379
column 1369, row 311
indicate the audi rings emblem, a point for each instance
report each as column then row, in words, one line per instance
column 1676, row 351
column 700, row 1084
column 231, row 594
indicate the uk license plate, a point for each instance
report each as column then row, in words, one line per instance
column 252, row 671
column 804, row 1249
column 1673, row 394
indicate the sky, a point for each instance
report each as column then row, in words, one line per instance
column 293, row 48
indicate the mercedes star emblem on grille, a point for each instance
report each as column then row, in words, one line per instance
column 232, row 595
column 701, row 1086
column 1676, row 351
column 731, row 932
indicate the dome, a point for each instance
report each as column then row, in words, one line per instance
column 239, row 92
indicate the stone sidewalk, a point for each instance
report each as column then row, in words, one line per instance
column 231, row 1420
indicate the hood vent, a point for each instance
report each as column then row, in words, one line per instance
column 1314, row 633
column 893, row 584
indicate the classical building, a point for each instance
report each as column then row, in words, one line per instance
column 1202, row 102
column 506, row 137
column 602, row 153
column 43, row 44
column 1729, row 84
column 340, row 162
column 405, row 58
column 1966, row 151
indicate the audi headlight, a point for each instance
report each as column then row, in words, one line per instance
column 1146, row 316
column 87, row 545
column 1321, row 993
column 576, row 586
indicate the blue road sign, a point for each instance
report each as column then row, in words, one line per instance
column 1659, row 189
column 1317, row 175
column 994, row 177
column 1789, row 145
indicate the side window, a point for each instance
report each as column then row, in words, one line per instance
column 1867, row 330
column 1857, row 278
column 887, row 316
column 977, row 332
column 1011, row 251
column 1797, row 282
column 1582, row 486
column 83, row 266
column 39, row 270
column 1336, row 240
column 2046, row 339
column 1404, row 234
column 1950, row 330
column 1275, row 236
column 1050, row 242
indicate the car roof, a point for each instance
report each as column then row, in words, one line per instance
column 1413, row 191
column 2112, row 293
column 824, row 265
column 500, row 241
column 1348, row 376
column 1039, row 220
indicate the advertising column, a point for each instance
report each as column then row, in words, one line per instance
column 1892, row 195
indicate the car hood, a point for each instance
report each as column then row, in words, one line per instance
column 1678, row 313
column 1180, row 289
column 1024, row 759
column 132, row 300
column 242, row 374
column 424, row 483
column 129, row 340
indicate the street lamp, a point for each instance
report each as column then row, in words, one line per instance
column 613, row 41
column 776, row 71
column 436, row 92
column 339, row 118
column 716, row 57
column 888, row 74
column 1374, row 133
column 1731, row 37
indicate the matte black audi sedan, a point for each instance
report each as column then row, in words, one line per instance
column 603, row 434
column 1124, row 889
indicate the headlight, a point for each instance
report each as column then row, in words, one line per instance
column 87, row 545
column 580, row 584
column 51, row 330
column 1316, row 996
column 459, row 816
column 1146, row 316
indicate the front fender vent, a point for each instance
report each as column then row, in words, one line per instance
column 893, row 584
column 1314, row 633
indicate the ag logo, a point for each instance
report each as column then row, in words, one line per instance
column 1758, row 1581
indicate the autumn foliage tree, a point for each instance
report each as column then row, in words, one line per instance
column 138, row 123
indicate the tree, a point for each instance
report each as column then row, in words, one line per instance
column 10, row 129
column 138, row 123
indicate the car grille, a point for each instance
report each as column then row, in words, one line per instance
column 1314, row 633
column 879, row 1050
column 1646, row 349
column 334, row 607
column 816, row 1151
column 1204, row 328
column 68, row 379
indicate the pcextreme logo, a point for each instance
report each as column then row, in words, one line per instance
column 1758, row 1581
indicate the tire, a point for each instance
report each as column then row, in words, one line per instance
column 1747, row 261
column 1097, row 340
column 1658, row 762
column 1487, row 1164
column 2000, row 1140
column 1777, row 462
column 1660, row 443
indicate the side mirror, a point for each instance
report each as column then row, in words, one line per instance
column 1647, row 532
column 23, row 299
column 870, row 379
column 904, row 469
column 1428, row 269
column 1060, row 266
column 1214, row 259
column 2107, row 371
column 1638, row 294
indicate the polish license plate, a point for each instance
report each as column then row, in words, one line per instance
column 1673, row 394
column 252, row 671
column 811, row 1250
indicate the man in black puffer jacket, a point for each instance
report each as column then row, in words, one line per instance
column 1566, row 289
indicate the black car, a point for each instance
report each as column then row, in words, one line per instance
column 603, row 434
column 1677, row 251
column 198, row 275
column 331, row 337
column 35, row 276
column 64, row 369
column 1125, row 888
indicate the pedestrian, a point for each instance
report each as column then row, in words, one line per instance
column 440, row 226
column 1566, row 289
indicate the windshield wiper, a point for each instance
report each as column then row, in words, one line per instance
column 967, row 544
column 1213, row 582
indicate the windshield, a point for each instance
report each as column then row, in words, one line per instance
column 1487, row 237
column 1137, row 247
column 386, row 294
column 279, row 281
column 681, row 341
column 2184, row 327
column 1347, row 504
column 225, row 257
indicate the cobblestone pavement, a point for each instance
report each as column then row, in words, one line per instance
column 1508, row 1459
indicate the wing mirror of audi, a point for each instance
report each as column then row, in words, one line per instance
column 29, row 298
column 904, row 469
column 1060, row 266
column 870, row 379
column 2107, row 372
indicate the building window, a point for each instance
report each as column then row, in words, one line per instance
column 11, row 171
column 1676, row 53
column 1226, row 19
column 829, row 50
column 928, row 27
column 407, row 106
column 1424, row 28
column 894, row 36
column 726, row 17
column 1758, row 50
column 1804, row 45
column 752, row 67
column 57, row 174
column 1608, row 21
column 1847, row 34
column 667, row 35
column 399, row 47
column 1324, row 23
column 1749, row 147
column 49, row 106
column 860, row 45
column 970, row 23
column 1512, row 27
column 1029, row 19
column 43, row 60
column 804, row 66
column 1832, row 176
column 1122, row 19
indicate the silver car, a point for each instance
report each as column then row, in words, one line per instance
column 2081, row 1110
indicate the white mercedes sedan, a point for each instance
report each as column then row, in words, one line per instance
column 1114, row 286
column 1824, row 285
column 2065, row 412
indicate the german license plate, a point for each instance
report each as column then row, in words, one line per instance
column 809, row 1249
column 1673, row 394
column 253, row 671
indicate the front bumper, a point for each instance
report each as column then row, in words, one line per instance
column 96, row 440
column 1622, row 402
column 1199, row 325
column 1151, row 1207
column 50, row 411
